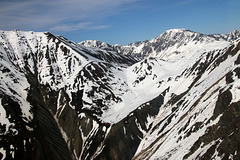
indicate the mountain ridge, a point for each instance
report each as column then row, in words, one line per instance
column 63, row 100
column 134, row 49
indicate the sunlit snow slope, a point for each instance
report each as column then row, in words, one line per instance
column 173, row 97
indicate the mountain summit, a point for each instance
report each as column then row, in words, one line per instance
column 173, row 97
column 171, row 41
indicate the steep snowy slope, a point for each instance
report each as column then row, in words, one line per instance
column 199, row 115
column 63, row 100
column 190, row 116
column 43, row 75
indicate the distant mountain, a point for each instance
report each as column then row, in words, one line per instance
column 231, row 36
column 173, row 97
column 170, row 42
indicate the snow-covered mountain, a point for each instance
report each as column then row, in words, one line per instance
column 172, row 97
column 171, row 42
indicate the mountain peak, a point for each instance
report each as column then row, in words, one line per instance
column 63, row 100
column 177, row 30
column 177, row 33
column 95, row 44
column 170, row 42
column 233, row 35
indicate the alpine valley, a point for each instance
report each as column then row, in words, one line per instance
column 176, row 96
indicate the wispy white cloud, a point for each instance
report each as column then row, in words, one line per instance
column 170, row 4
column 79, row 26
column 65, row 15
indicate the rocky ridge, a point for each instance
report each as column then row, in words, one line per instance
column 169, row 42
column 63, row 100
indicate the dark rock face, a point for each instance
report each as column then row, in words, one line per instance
column 38, row 139
column 55, row 93
column 12, row 141
column 224, row 133
column 125, row 136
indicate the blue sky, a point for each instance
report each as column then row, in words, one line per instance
column 119, row 21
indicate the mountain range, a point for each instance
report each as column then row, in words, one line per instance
column 176, row 96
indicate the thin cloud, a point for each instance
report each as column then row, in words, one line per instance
column 79, row 26
column 98, row 27
column 58, row 14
